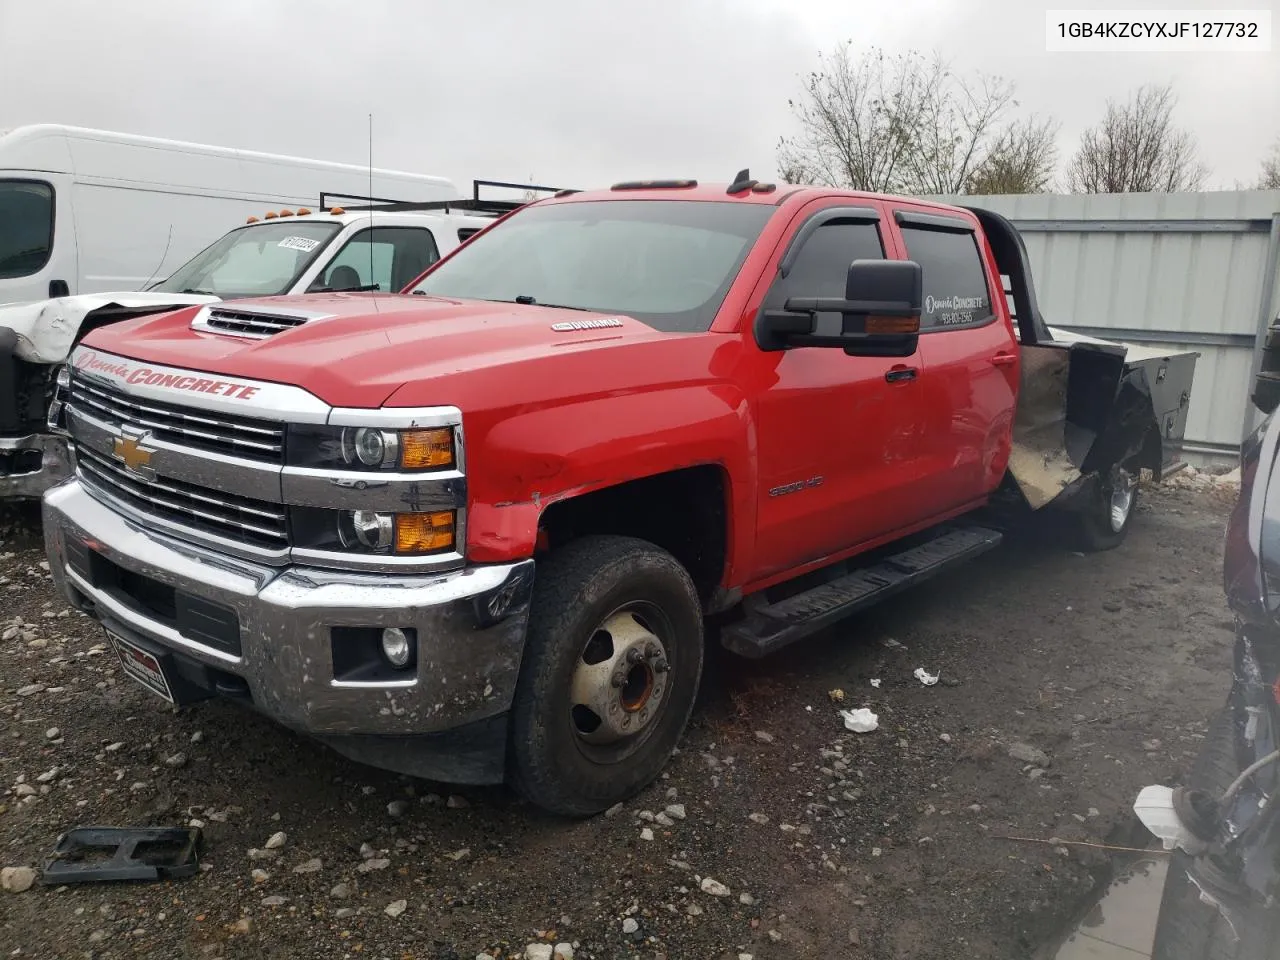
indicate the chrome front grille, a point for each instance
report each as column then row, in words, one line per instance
column 250, row 323
column 259, row 523
column 238, row 436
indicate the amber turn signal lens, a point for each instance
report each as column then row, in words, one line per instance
column 424, row 532
column 893, row 325
column 420, row 449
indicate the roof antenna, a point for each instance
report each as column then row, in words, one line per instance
column 163, row 257
column 374, row 285
column 742, row 182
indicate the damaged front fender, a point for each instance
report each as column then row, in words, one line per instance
column 47, row 329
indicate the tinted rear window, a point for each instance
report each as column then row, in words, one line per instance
column 955, row 283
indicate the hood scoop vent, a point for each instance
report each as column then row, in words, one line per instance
column 256, row 322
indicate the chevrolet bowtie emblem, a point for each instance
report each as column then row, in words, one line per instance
column 131, row 452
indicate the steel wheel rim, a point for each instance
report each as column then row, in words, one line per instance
column 1122, row 497
column 621, row 683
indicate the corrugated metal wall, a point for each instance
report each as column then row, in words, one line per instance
column 1189, row 271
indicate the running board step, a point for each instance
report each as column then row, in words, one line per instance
column 771, row 627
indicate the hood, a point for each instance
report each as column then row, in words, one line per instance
column 47, row 329
column 357, row 349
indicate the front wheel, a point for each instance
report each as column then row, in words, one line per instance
column 1103, row 522
column 611, row 668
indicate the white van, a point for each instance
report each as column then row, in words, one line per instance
column 88, row 211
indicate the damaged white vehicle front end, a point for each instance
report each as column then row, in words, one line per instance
column 35, row 339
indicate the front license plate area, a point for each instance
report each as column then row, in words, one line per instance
column 142, row 666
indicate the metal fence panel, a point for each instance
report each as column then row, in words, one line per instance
column 1187, row 271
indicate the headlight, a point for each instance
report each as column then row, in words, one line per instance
column 370, row 448
column 55, row 418
column 373, row 532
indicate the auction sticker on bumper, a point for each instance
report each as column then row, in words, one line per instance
column 142, row 666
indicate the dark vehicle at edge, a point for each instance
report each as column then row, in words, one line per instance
column 1222, row 903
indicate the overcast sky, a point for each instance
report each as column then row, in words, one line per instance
column 567, row 92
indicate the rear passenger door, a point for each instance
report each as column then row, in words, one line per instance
column 967, row 345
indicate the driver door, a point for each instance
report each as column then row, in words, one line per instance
column 839, row 437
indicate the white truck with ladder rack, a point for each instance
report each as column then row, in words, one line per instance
column 374, row 245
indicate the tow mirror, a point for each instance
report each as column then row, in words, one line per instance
column 1266, row 385
column 880, row 313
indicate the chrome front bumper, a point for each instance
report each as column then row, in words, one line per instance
column 55, row 465
column 470, row 626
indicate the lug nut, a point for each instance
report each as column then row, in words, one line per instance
column 661, row 665
column 634, row 656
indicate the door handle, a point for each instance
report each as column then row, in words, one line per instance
column 1004, row 359
column 900, row 374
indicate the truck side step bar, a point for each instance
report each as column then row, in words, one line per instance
column 770, row 627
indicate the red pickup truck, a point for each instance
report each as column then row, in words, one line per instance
column 473, row 531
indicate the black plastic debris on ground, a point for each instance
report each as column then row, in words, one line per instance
column 103, row 854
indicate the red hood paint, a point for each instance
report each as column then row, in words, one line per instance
column 371, row 346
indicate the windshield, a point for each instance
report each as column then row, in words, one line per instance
column 668, row 263
column 263, row 260
column 26, row 227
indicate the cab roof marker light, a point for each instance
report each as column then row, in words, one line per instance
column 304, row 212
column 252, row 220
column 269, row 215
column 655, row 185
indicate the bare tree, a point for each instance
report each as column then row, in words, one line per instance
column 903, row 123
column 1021, row 160
column 1136, row 148
column 958, row 123
column 794, row 171
column 1270, row 179
column 855, row 116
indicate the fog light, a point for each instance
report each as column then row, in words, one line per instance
column 397, row 647
column 366, row 528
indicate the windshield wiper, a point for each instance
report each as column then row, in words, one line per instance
column 199, row 293
column 528, row 301
column 364, row 289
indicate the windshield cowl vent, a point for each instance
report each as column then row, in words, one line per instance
column 256, row 323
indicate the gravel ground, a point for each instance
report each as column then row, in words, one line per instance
column 775, row 833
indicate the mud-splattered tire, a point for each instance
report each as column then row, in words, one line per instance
column 1186, row 928
column 1103, row 523
column 559, row 757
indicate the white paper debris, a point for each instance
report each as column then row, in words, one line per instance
column 861, row 720
column 925, row 677
column 876, row 684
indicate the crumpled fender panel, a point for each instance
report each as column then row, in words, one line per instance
column 47, row 329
